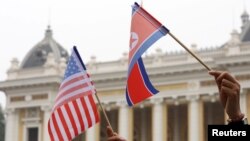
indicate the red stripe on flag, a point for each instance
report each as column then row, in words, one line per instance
column 71, row 118
column 69, row 91
column 136, row 85
column 78, row 114
column 93, row 105
column 50, row 132
column 66, row 128
column 86, row 112
column 73, row 80
column 60, row 137
column 73, row 98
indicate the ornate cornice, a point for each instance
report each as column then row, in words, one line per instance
column 9, row 84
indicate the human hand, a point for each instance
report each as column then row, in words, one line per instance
column 229, row 89
column 112, row 136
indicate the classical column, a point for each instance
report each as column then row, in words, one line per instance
column 10, row 129
column 243, row 101
column 195, row 119
column 248, row 103
column 143, row 122
column 159, row 127
column 90, row 136
column 46, row 115
column 125, row 121
column 97, row 131
column 176, row 130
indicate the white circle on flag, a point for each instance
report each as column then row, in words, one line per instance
column 133, row 40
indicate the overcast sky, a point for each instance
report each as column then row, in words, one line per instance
column 101, row 27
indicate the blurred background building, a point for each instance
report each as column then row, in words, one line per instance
column 187, row 102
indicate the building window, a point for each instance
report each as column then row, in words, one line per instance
column 32, row 134
column 113, row 118
column 17, row 98
column 80, row 137
column 213, row 115
column 177, row 122
column 142, row 124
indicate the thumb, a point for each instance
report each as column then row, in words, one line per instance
column 109, row 131
column 214, row 73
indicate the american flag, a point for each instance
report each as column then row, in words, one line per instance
column 74, row 110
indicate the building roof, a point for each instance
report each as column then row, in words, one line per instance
column 37, row 56
column 245, row 35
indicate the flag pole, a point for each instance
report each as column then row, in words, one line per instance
column 196, row 57
column 103, row 111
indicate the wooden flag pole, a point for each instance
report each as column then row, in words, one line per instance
column 196, row 57
column 103, row 111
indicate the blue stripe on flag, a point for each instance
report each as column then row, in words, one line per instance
column 128, row 98
column 156, row 36
column 145, row 77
